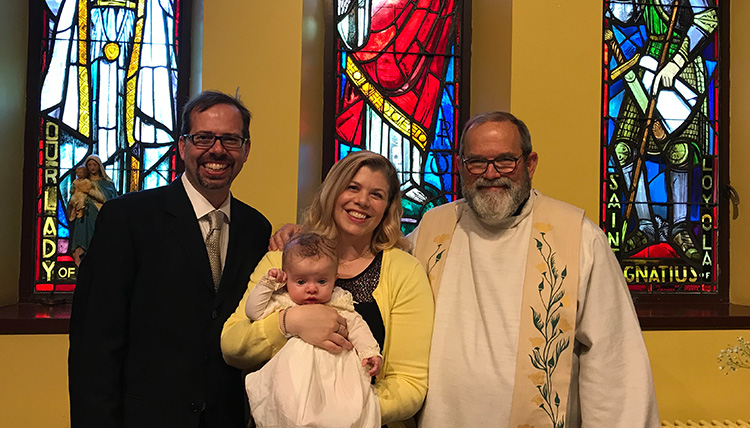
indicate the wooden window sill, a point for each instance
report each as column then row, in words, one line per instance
column 35, row 318
column 681, row 316
column 40, row 318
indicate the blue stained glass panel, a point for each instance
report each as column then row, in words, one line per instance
column 62, row 227
column 54, row 6
column 345, row 149
column 656, row 141
column 416, row 86
column 91, row 105
column 450, row 73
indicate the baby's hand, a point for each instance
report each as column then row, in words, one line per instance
column 278, row 275
column 374, row 363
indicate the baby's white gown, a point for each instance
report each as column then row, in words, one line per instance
column 307, row 386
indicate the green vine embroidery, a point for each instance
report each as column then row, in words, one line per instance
column 546, row 358
column 433, row 260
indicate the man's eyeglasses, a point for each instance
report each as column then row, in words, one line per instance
column 206, row 140
column 504, row 165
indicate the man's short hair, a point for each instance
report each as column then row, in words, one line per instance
column 208, row 99
column 499, row 117
column 309, row 245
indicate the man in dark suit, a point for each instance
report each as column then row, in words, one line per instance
column 147, row 312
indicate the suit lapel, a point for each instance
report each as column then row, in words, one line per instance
column 239, row 232
column 185, row 226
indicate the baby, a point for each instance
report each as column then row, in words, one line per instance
column 79, row 190
column 303, row 385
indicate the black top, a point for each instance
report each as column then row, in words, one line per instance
column 361, row 287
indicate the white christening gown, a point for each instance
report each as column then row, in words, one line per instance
column 307, row 386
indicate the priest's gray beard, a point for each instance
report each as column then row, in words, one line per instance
column 492, row 207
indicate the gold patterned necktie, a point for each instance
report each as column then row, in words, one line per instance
column 212, row 246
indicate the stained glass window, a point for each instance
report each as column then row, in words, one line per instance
column 105, row 78
column 398, row 91
column 661, row 143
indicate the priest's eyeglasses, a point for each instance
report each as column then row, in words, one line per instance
column 503, row 165
column 206, row 141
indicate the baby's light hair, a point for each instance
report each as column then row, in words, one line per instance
column 85, row 170
column 309, row 245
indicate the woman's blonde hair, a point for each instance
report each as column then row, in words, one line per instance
column 319, row 216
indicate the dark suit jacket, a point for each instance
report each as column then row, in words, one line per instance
column 145, row 326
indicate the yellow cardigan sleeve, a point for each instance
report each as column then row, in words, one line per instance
column 405, row 301
column 247, row 344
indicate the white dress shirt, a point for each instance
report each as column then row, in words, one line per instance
column 202, row 207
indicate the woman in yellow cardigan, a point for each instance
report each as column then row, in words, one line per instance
column 358, row 205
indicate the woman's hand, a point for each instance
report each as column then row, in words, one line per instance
column 318, row 325
column 282, row 236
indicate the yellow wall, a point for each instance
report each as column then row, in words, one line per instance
column 548, row 78
column 739, row 113
column 13, row 34
column 492, row 35
column 311, row 103
column 256, row 46
column 34, row 385
column 689, row 384
column 556, row 90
